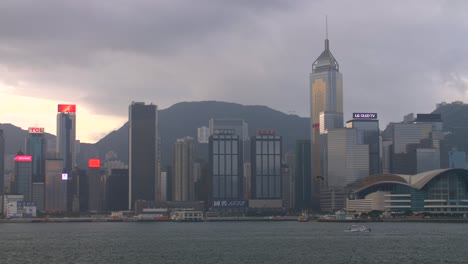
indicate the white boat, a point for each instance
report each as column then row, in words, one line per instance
column 358, row 228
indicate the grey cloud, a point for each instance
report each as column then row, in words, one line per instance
column 108, row 53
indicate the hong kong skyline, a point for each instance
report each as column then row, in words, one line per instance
column 102, row 56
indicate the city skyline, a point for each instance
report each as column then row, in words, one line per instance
column 221, row 58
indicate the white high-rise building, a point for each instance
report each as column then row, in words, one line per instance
column 203, row 134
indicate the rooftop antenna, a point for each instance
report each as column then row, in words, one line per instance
column 326, row 26
column 326, row 33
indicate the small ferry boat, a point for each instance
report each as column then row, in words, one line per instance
column 358, row 228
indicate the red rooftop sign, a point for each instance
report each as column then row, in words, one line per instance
column 36, row 130
column 94, row 163
column 67, row 108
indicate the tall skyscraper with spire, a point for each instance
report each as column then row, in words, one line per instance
column 326, row 110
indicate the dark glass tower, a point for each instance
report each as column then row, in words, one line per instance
column 117, row 190
column 266, row 165
column 303, row 175
column 23, row 176
column 66, row 136
column 143, row 152
column 36, row 147
column 226, row 165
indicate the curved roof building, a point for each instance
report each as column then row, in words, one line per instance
column 438, row 191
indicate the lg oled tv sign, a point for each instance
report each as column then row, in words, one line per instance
column 36, row 130
column 365, row 115
column 23, row 158
column 66, row 108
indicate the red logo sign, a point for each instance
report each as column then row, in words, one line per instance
column 94, row 163
column 67, row 108
column 36, row 130
column 23, row 158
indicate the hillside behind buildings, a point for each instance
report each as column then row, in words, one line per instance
column 183, row 119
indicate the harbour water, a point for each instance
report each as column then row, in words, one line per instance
column 232, row 242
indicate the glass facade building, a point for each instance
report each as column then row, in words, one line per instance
column 369, row 134
column 56, row 186
column 23, row 177
column 143, row 152
column 226, row 165
column 347, row 159
column 183, row 170
column 302, row 177
column 442, row 191
column 326, row 103
column 66, row 136
column 117, row 190
column 36, row 146
column 266, row 166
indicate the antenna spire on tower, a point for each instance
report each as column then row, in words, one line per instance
column 326, row 33
column 326, row 26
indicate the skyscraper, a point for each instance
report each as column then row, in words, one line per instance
column 326, row 86
column 226, row 165
column 36, row 147
column 183, row 180
column 66, row 135
column 368, row 133
column 266, row 165
column 302, row 181
column 56, row 198
column 2, row 161
column 23, row 176
column 143, row 152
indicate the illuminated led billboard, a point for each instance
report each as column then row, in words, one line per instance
column 94, row 163
column 365, row 115
column 23, row 158
column 36, row 130
column 64, row 176
column 66, row 108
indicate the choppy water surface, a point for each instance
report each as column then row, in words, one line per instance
column 232, row 242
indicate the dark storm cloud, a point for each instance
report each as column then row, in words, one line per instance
column 106, row 54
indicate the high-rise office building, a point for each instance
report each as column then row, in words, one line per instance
column 96, row 186
column 36, row 146
column 183, row 178
column 417, row 145
column 289, row 179
column 368, row 130
column 143, row 152
column 2, row 162
column 38, row 189
column 302, row 181
column 226, row 165
column 348, row 158
column 56, row 185
column 117, row 190
column 326, row 103
column 23, row 176
column 266, row 165
column 240, row 128
column 66, row 136
column 247, row 180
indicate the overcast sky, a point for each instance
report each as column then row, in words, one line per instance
column 396, row 57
